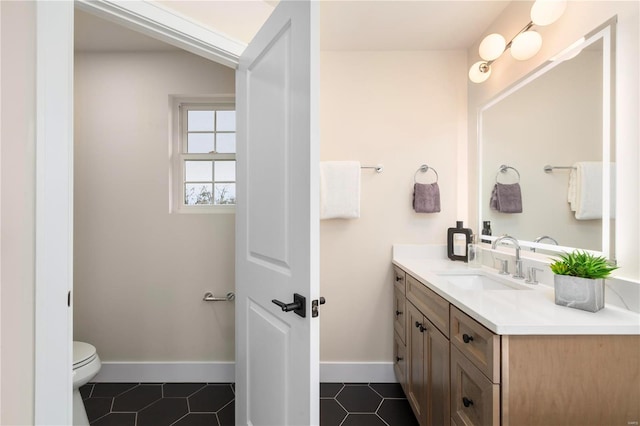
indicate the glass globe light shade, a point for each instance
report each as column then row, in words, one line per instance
column 525, row 45
column 545, row 12
column 492, row 47
column 479, row 72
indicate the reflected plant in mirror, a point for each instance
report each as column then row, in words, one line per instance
column 559, row 115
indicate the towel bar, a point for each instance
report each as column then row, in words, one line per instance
column 209, row 297
column 549, row 169
column 378, row 168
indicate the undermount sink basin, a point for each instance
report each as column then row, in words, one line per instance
column 481, row 282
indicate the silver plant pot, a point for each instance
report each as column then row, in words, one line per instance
column 579, row 293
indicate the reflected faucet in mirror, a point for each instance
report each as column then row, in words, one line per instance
column 542, row 238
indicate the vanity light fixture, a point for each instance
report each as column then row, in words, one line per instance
column 523, row 46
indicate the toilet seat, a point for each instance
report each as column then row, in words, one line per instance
column 83, row 354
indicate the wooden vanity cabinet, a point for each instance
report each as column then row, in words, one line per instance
column 455, row 371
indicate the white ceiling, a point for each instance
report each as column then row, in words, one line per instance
column 345, row 25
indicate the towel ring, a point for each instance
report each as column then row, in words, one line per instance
column 424, row 169
column 503, row 169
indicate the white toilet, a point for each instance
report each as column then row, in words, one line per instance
column 86, row 365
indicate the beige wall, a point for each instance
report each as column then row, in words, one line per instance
column 400, row 109
column 17, row 249
column 580, row 18
column 140, row 271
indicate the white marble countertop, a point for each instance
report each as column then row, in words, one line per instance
column 529, row 311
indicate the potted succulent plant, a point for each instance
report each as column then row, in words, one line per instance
column 579, row 280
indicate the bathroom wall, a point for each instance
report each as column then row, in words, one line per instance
column 580, row 18
column 140, row 272
column 17, row 211
column 400, row 109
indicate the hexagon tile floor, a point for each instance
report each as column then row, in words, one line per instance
column 191, row 404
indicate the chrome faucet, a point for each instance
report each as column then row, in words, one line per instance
column 542, row 238
column 518, row 272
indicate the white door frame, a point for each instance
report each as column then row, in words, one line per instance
column 54, row 173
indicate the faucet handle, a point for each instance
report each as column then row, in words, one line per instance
column 531, row 275
column 504, row 266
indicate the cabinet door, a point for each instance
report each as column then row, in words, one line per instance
column 415, row 365
column 475, row 400
column 400, row 361
column 399, row 278
column 437, row 373
column 399, row 308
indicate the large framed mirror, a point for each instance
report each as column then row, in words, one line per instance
column 553, row 126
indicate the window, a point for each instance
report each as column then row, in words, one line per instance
column 204, row 160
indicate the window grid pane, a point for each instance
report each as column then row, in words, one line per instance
column 198, row 194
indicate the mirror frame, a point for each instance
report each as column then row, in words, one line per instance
column 606, row 33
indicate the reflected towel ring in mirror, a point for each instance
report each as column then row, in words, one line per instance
column 503, row 169
column 424, row 169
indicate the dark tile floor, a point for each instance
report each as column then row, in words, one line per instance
column 187, row 404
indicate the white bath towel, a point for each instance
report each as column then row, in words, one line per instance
column 339, row 190
column 588, row 203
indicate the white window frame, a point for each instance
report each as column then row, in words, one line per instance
column 177, row 157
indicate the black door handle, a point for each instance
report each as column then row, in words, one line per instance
column 299, row 305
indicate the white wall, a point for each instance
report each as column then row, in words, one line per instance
column 400, row 109
column 580, row 18
column 140, row 271
column 17, row 250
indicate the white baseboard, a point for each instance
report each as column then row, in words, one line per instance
column 357, row 372
column 224, row 372
column 162, row 372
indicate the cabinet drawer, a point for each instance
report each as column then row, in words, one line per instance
column 399, row 313
column 434, row 307
column 474, row 399
column 400, row 361
column 399, row 278
column 477, row 343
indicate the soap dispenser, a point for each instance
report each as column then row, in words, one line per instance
column 458, row 239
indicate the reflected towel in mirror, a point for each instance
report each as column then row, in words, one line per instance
column 506, row 198
column 426, row 197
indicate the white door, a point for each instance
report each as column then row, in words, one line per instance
column 277, row 221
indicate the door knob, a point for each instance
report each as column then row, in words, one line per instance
column 299, row 305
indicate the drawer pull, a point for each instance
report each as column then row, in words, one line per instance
column 398, row 278
column 466, row 401
column 466, row 338
column 421, row 327
column 398, row 313
column 398, row 359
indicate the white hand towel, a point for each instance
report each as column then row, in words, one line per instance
column 588, row 190
column 339, row 189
